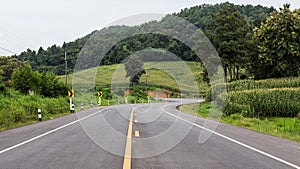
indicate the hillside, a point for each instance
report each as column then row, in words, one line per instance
column 52, row 58
column 107, row 74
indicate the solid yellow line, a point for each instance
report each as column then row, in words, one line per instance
column 127, row 156
column 137, row 133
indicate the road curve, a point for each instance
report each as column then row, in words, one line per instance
column 160, row 137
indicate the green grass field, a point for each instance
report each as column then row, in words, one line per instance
column 160, row 74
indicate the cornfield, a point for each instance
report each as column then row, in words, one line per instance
column 264, row 98
column 284, row 102
column 263, row 84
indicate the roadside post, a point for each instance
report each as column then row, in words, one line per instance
column 126, row 100
column 40, row 114
column 71, row 95
column 148, row 97
column 81, row 106
column 72, row 108
column 99, row 96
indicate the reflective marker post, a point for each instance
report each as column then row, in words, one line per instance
column 71, row 94
column 40, row 114
column 71, row 106
column 99, row 95
column 99, row 102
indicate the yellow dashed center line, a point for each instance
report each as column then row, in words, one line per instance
column 127, row 156
column 137, row 133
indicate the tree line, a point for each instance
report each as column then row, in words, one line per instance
column 232, row 36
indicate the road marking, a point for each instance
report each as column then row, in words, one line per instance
column 137, row 133
column 127, row 155
column 49, row 132
column 235, row 141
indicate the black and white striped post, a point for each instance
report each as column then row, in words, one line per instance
column 71, row 106
column 72, row 109
column 40, row 114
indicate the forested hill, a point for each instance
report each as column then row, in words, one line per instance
column 201, row 15
column 52, row 58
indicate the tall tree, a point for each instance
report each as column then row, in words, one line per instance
column 279, row 44
column 230, row 35
column 24, row 79
column 134, row 69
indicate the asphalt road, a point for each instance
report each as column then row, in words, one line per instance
column 141, row 136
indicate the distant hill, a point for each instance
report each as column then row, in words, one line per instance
column 52, row 58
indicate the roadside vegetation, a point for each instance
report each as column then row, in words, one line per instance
column 270, row 106
column 24, row 91
column 258, row 47
column 17, row 109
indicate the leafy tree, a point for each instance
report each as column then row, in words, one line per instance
column 48, row 83
column 25, row 79
column 51, row 86
column 230, row 37
column 278, row 42
column 2, row 86
column 134, row 69
column 8, row 65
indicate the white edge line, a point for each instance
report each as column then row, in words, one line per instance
column 49, row 132
column 235, row 141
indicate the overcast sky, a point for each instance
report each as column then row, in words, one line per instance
column 34, row 23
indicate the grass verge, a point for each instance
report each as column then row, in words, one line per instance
column 288, row 128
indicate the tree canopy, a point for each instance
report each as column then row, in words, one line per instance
column 8, row 65
column 24, row 79
column 134, row 69
column 46, row 84
column 278, row 42
column 230, row 35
